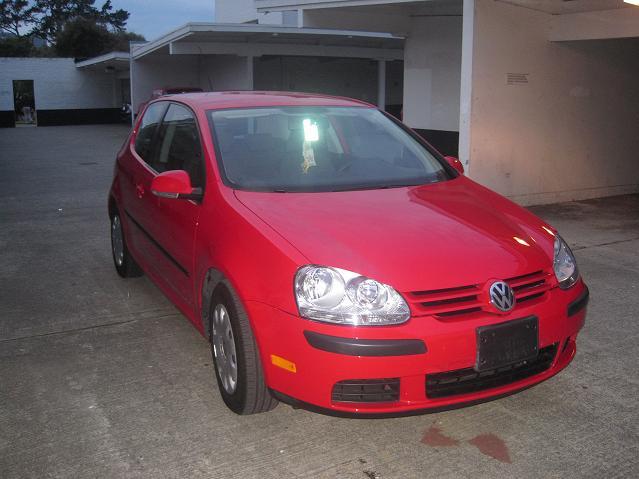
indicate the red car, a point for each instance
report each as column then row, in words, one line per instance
column 335, row 260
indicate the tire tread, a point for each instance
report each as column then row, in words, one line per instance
column 129, row 268
column 257, row 397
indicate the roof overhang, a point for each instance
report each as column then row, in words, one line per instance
column 114, row 61
column 279, row 5
column 258, row 40
column 554, row 7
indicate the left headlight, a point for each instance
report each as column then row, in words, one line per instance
column 564, row 264
column 335, row 295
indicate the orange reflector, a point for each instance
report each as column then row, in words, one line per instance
column 283, row 363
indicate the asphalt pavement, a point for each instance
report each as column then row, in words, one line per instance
column 103, row 378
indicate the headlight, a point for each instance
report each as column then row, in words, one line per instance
column 335, row 295
column 564, row 264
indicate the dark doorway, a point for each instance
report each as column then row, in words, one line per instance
column 395, row 87
column 24, row 102
column 125, row 90
column 349, row 77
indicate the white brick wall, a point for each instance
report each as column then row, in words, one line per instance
column 58, row 84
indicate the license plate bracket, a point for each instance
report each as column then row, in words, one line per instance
column 507, row 343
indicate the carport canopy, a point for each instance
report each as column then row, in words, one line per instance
column 257, row 40
column 222, row 55
column 113, row 61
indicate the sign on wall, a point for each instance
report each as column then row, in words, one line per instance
column 516, row 78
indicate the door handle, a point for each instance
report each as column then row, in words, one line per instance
column 139, row 189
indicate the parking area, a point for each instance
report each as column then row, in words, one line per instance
column 103, row 377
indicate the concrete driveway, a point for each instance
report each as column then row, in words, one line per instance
column 101, row 377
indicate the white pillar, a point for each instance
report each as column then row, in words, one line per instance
column 381, row 84
column 465, row 95
column 132, row 78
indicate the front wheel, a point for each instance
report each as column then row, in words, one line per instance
column 238, row 368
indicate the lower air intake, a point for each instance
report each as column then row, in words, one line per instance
column 466, row 381
column 366, row 390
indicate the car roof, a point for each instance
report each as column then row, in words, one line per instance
column 249, row 99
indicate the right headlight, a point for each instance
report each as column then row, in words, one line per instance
column 564, row 264
column 335, row 295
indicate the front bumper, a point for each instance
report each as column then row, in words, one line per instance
column 315, row 363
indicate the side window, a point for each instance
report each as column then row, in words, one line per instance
column 146, row 131
column 179, row 145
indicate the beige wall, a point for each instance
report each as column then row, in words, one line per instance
column 572, row 131
column 432, row 73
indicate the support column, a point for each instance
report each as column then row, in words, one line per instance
column 381, row 84
column 465, row 95
column 134, row 99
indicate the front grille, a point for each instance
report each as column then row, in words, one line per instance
column 466, row 300
column 366, row 390
column 466, row 381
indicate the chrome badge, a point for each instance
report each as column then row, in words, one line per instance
column 502, row 296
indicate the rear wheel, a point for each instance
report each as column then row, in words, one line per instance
column 238, row 368
column 124, row 263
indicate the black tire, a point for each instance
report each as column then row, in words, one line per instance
column 251, row 395
column 125, row 265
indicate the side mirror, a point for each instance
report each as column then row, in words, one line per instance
column 455, row 163
column 175, row 184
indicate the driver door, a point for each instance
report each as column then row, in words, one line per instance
column 175, row 221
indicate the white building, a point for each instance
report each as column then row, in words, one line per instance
column 65, row 92
column 544, row 93
column 220, row 56
column 538, row 98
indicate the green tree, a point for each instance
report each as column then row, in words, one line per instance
column 121, row 40
column 54, row 14
column 113, row 19
column 72, row 28
column 16, row 47
column 16, row 15
column 83, row 38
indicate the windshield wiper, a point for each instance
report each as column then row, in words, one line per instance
column 375, row 187
column 343, row 188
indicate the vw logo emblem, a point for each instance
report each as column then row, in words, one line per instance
column 502, row 296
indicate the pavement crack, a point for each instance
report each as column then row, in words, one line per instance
column 579, row 248
column 86, row 328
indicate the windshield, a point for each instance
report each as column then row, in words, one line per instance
column 318, row 149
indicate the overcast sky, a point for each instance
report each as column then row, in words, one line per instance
column 153, row 18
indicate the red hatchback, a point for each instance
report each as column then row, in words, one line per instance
column 335, row 260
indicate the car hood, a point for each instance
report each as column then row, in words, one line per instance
column 436, row 236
